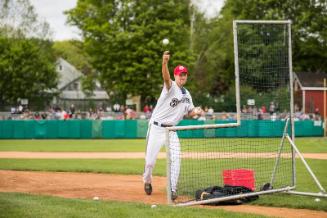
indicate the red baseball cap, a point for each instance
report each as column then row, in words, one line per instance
column 180, row 69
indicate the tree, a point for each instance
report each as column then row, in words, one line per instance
column 27, row 63
column 309, row 26
column 214, row 67
column 124, row 40
column 26, row 70
column 213, row 39
column 19, row 19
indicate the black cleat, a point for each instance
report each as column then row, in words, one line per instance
column 173, row 196
column 148, row 188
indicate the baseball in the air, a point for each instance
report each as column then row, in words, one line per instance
column 96, row 198
column 153, row 206
column 165, row 41
column 317, row 199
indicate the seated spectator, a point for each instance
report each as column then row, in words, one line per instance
column 202, row 116
column 116, row 107
column 244, row 109
column 272, row 108
column 210, row 113
column 146, row 109
column 37, row 116
column 263, row 109
column 130, row 114
column 260, row 114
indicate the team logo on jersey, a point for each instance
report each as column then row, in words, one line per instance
column 174, row 102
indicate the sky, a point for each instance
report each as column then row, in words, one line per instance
column 52, row 12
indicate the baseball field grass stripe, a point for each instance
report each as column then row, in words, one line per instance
column 24, row 205
column 305, row 145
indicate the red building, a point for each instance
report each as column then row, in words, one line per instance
column 309, row 92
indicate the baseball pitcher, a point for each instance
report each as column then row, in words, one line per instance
column 173, row 104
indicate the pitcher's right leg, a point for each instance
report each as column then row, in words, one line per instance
column 156, row 139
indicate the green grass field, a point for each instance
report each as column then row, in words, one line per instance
column 309, row 145
column 31, row 206
column 17, row 205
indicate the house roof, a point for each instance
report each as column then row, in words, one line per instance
column 67, row 73
column 311, row 80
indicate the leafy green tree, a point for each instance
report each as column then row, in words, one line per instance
column 214, row 67
column 309, row 32
column 213, row 40
column 124, row 39
column 27, row 70
column 27, row 63
column 73, row 52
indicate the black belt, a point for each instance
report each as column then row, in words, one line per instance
column 162, row 125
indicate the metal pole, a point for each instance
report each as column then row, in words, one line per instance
column 237, row 75
column 207, row 126
column 291, row 96
column 168, row 168
column 306, row 164
column 281, row 146
column 307, row 194
column 232, row 197
column 264, row 21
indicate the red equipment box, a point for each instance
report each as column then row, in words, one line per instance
column 239, row 177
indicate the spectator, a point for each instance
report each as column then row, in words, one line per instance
column 116, row 107
column 130, row 114
column 272, row 108
column 72, row 109
column 146, row 109
column 64, row 115
column 263, row 109
column 260, row 114
column 202, row 117
column 244, row 109
column 12, row 110
column 210, row 113
column 37, row 116
column 151, row 108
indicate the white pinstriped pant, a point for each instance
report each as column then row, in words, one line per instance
column 156, row 138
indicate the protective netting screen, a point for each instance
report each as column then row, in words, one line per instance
column 256, row 154
column 248, row 162
column 264, row 70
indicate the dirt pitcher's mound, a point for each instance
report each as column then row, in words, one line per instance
column 116, row 187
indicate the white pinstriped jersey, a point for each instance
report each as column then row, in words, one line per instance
column 172, row 105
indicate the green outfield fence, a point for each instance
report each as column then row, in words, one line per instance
column 111, row 129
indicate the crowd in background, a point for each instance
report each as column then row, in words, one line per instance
column 123, row 112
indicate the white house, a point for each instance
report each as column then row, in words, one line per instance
column 70, row 87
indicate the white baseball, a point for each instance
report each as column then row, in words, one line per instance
column 165, row 41
column 96, row 198
column 317, row 199
column 153, row 206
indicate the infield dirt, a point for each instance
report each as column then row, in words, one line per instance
column 128, row 188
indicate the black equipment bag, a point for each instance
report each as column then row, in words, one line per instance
column 218, row 192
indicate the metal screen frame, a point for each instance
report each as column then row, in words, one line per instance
column 291, row 139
